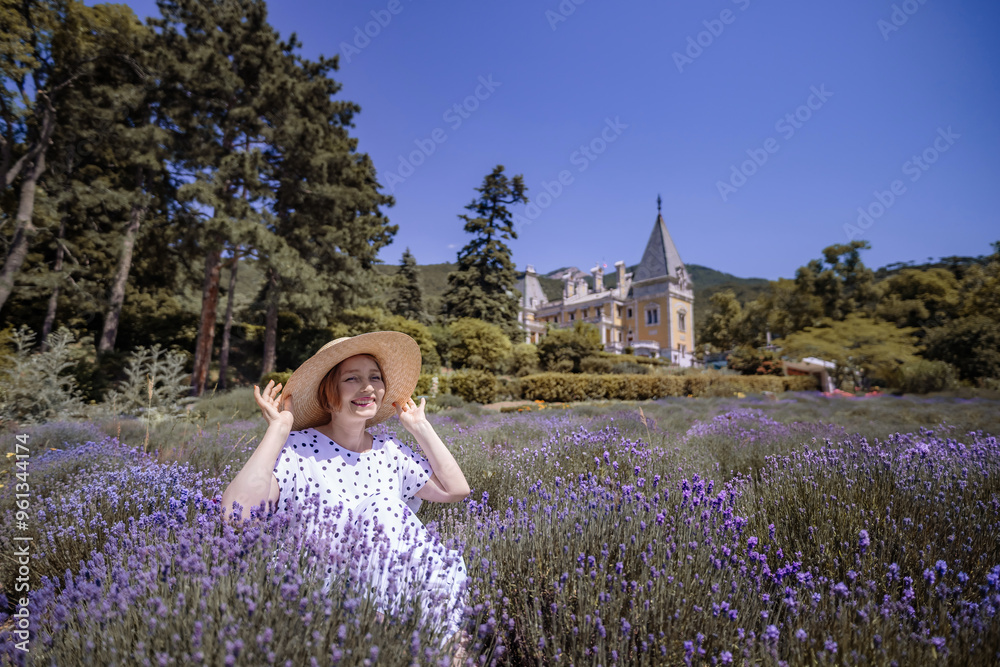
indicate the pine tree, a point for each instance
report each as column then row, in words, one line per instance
column 218, row 58
column 407, row 298
column 326, row 206
column 49, row 49
column 483, row 284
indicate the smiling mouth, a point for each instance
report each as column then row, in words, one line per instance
column 363, row 402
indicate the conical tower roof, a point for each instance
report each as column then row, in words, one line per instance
column 661, row 258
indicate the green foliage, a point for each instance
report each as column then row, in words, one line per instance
column 36, row 386
column 748, row 360
column 482, row 286
column 862, row 347
column 571, row 345
column 443, row 341
column 918, row 298
column 474, row 386
column 407, row 298
column 582, row 386
column 970, row 344
column 508, row 389
column 425, row 384
column 155, row 383
column 595, row 364
column 841, row 280
column 629, row 368
column 356, row 321
column 524, row 359
column 925, row 376
column 279, row 377
column 479, row 345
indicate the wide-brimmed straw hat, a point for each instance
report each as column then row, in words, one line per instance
column 397, row 355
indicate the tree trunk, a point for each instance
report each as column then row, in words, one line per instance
column 270, row 324
column 117, row 299
column 50, row 313
column 206, row 327
column 224, row 352
column 24, row 229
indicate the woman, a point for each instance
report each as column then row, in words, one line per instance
column 321, row 447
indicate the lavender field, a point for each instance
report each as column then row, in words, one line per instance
column 804, row 530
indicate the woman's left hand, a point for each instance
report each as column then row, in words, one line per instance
column 410, row 414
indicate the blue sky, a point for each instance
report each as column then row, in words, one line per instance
column 764, row 126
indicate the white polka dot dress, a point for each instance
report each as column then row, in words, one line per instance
column 375, row 493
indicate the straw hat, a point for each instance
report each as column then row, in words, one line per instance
column 397, row 354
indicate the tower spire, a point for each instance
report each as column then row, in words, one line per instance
column 659, row 204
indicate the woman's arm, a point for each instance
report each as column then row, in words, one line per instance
column 447, row 484
column 252, row 485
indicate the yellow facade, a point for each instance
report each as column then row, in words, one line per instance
column 650, row 310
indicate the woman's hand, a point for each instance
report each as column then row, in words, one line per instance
column 410, row 414
column 270, row 402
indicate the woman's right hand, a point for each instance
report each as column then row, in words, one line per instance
column 270, row 402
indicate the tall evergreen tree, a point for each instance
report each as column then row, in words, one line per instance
column 49, row 48
column 407, row 298
column 217, row 58
column 483, row 284
column 326, row 208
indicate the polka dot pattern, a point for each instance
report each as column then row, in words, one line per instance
column 379, row 487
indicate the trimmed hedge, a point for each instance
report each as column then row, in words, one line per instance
column 582, row 386
column 474, row 386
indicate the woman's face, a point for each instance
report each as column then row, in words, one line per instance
column 361, row 386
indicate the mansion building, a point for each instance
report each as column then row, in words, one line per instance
column 650, row 310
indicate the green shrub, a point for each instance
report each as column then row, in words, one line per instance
column 479, row 345
column 524, row 359
column 474, row 386
column 800, row 383
column 37, row 386
column 926, row 376
column 748, row 360
column 508, row 389
column 425, row 382
column 562, row 366
column 155, row 383
column 629, row 368
column 573, row 345
column 279, row 377
column 580, row 387
column 598, row 365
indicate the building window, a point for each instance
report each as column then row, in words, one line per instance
column 572, row 316
column 585, row 311
column 653, row 316
column 630, row 313
column 619, row 312
column 681, row 348
column 681, row 317
column 619, row 336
